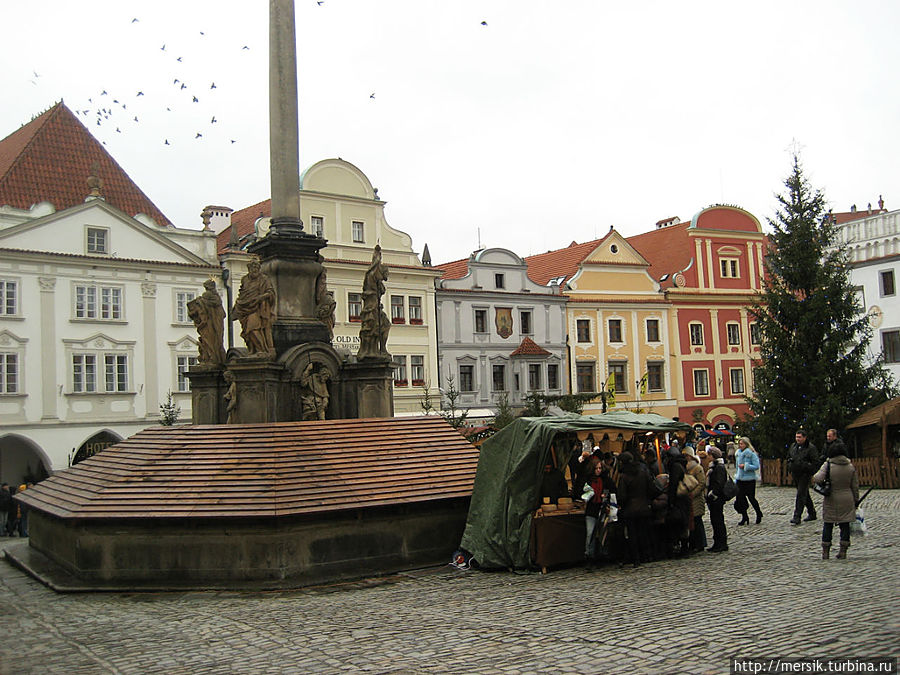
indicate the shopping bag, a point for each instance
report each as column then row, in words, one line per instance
column 858, row 526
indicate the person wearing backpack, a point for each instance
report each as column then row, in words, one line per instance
column 716, row 499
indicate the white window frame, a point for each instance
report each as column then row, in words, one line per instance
column 476, row 312
column 91, row 231
column 730, row 268
column 499, row 280
column 535, row 377
column 317, row 225
column 95, row 350
column 658, row 331
column 733, row 334
column 358, row 231
column 354, row 299
column 9, row 297
column 182, row 297
column 471, row 375
column 101, row 302
column 662, row 376
column 116, row 373
column 417, row 370
column 526, row 325
column 737, row 374
column 10, row 373
column 553, row 368
column 624, row 381
column 415, row 310
column 885, row 274
column 84, row 373
column 578, row 324
column 755, row 336
column 494, row 386
column 620, row 326
column 400, row 373
column 398, row 309
column 890, row 356
column 583, row 366
column 183, row 363
column 700, row 376
column 696, row 328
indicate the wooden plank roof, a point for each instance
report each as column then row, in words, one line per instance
column 264, row 470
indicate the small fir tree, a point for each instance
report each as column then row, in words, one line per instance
column 449, row 409
column 505, row 414
column 170, row 411
column 814, row 369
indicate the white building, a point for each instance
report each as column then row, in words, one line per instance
column 93, row 326
column 499, row 332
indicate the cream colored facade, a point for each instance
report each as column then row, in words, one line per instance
column 93, row 328
column 618, row 321
column 338, row 196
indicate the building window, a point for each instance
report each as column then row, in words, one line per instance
column 615, row 330
column 525, row 322
column 358, row 232
column 97, row 240
column 696, row 330
column 98, row 302
column 317, row 224
column 729, row 267
column 498, row 377
column 116, row 369
column 354, row 306
column 397, row 314
column 481, row 321
column 534, row 376
column 754, row 333
column 618, row 369
column 583, row 330
column 890, row 344
column 400, row 371
column 553, row 376
column 184, row 364
column 182, row 298
column 9, row 297
column 415, row 310
column 887, row 283
column 701, row 382
column 737, row 380
column 652, row 330
column 655, row 381
column 584, row 377
column 733, row 332
column 467, row 378
column 84, row 373
column 417, row 370
column 9, row 373
column 499, row 281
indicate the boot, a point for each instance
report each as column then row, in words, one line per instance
column 842, row 552
column 826, row 549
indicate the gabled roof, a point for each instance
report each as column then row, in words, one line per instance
column 668, row 249
column 49, row 159
column 530, row 348
column 264, row 470
column 455, row 269
column 243, row 221
column 889, row 411
column 562, row 262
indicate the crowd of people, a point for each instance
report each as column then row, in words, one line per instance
column 646, row 503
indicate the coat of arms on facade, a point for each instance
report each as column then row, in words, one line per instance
column 504, row 321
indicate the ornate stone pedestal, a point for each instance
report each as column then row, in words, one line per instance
column 367, row 388
column 207, row 395
column 261, row 395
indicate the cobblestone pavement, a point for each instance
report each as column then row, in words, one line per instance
column 770, row 595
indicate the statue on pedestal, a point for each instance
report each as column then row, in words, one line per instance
column 375, row 323
column 208, row 315
column 325, row 304
column 255, row 309
column 230, row 397
column 314, row 391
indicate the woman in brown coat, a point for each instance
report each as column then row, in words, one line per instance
column 840, row 505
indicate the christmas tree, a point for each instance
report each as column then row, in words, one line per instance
column 815, row 371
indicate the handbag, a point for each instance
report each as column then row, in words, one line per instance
column 686, row 485
column 824, row 488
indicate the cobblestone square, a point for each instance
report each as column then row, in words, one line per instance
column 770, row 595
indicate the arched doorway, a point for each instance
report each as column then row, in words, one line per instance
column 22, row 461
column 99, row 441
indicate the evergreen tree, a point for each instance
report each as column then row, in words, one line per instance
column 169, row 411
column 505, row 413
column 814, row 370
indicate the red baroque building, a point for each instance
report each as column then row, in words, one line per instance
column 711, row 270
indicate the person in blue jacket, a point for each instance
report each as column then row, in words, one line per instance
column 748, row 467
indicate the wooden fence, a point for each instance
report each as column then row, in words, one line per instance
column 869, row 469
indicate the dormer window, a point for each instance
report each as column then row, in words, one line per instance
column 97, row 240
column 729, row 268
column 499, row 281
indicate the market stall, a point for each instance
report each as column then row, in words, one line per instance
column 508, row 526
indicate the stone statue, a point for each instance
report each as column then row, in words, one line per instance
column 325, row 304
column 255, row 309
column 314, row 391
column 208, row 315
column 375, row 323
column 230, row 397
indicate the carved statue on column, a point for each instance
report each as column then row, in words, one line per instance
column 314, row 391
column 255, row 309
column 325, row 303
column 230, row 397
column 208, row 315
column 375, row 323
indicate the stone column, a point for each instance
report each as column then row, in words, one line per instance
column 284, row 135
column 48, row 348
column 151, row 361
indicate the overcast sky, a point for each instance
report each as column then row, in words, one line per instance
column 550, row 123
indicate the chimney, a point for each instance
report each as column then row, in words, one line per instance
column 880, row 203
column 870, row 207
column 853, row 208
column 219, row 217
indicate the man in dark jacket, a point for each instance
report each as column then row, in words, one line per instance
column 834, row 443
column 803, row 461
column 715, row 500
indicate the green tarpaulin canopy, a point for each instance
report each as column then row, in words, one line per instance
column 508, row 480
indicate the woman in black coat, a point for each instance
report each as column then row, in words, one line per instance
column 634, row 495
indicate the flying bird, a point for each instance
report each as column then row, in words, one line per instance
column 233, row 141
column 484, row 23
column 212, row 86
column 245, row 47
column 199, row 135
column 134, row 21
column 167, row 142
column 163, row 48
column 372, row 95
column 118, row 131
column 176, row 81
column 183, row 85
column 178, row 59
column 135, row 118
column 103, row 93
column 196, row 100
column 35, row 73
column 320, row 2
column 202, row 33
column 140, row 93
column 213, row 120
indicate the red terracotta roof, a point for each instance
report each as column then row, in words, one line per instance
column 243, row 221
column 562, row 262
column 529, row 348
column 848, row 216
column 455, row 269
column 49, row 159
column 667, row 249
column 253, row 470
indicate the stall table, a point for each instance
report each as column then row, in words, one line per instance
column 557, row 538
